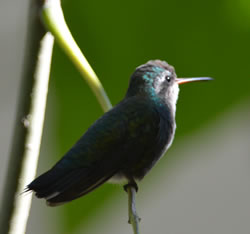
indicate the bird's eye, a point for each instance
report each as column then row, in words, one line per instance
column 168, row 78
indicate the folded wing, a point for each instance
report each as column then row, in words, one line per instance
column 113, row 144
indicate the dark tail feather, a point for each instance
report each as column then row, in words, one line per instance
column 74, row 192
column 50, row 182
column 58, row 186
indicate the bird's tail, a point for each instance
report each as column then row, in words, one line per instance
column 58, row 186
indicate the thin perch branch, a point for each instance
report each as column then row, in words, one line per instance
column 133, row 217
column 131, row 188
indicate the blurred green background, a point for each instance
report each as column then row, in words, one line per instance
column 199, row 38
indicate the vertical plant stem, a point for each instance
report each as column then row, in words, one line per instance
column 34, row 123
column 54, row 20
column 35, row 32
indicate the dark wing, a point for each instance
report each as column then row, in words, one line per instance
column 112, row 144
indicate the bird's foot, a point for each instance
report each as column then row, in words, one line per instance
column 131, row 188
column 132, row 184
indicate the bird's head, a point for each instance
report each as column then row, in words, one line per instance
column 157, row 80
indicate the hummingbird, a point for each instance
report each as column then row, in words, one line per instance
column 122, row 145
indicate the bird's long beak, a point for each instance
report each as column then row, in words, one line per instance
column 187, row 80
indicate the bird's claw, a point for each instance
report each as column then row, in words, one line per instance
column 131, row 184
